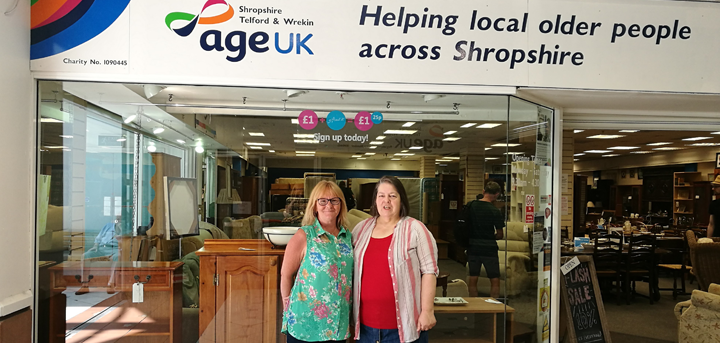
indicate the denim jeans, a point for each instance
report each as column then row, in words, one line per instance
column 370, row 335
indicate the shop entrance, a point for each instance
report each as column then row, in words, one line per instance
column 250, row 159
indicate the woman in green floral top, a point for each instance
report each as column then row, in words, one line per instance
column 316, row 277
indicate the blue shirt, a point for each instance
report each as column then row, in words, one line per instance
column 107, row 235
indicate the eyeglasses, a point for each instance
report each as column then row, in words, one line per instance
column 324, row 201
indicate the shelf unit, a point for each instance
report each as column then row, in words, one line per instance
column 683, row 194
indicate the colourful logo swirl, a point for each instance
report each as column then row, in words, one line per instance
column 193, row 20
column 60, row 25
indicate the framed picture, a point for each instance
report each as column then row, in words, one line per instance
column 632, row 173
column 181, row 207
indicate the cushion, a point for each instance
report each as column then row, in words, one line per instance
column 239, row 229
column 355, row 217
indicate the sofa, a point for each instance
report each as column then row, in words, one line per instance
column 514, row 255
column 54, row 236
column 251, row 227
column 698, row 317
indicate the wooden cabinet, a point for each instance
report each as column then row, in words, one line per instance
column 240, row 291
column 156, row 319
column 627, row 200
column 702, row 196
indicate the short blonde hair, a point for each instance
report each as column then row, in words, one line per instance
column 311, row 209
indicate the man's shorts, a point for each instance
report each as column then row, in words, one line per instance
column 492, row 265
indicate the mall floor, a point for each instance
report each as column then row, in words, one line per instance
column 639, row 322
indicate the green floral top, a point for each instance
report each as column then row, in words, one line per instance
column 321, row 298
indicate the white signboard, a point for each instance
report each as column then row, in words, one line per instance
column 611, row 44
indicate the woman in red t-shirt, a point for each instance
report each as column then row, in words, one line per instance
column 395, row 271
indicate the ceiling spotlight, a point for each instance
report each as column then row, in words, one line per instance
column 151, row 148
column 181, row 141
column 488, row 125
column 130, row 118
column 606, row 136
column 158, row 130
column 152, row 90
column 294, row 93
column 199, row 149
column 431, row 97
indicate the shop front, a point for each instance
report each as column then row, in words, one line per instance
column 176, row 142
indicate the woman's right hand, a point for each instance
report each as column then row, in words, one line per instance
column 286, row 303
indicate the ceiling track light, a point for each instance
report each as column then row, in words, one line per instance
column 294, row 93
column 431, row 97
column 152, row 90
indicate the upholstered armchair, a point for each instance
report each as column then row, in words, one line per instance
column 514, row 257
column 705, row 259
column 699, row 317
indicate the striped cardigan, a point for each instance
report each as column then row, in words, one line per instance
column 413, row 252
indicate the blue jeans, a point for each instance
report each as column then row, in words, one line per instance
column 370, row 335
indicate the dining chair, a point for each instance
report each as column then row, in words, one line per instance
column 607, row 256
column 640, row 265
column 675, row 261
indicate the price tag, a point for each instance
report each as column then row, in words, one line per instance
column 570, row 265
column 137, row 293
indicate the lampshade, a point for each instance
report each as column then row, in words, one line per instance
column 590, row 204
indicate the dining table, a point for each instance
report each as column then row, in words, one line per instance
column 589, row 250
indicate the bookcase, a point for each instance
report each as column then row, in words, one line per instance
column 683, row 195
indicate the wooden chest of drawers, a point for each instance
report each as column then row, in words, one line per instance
column 156, row 319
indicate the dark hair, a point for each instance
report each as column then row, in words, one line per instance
column 342, row 184
column 492, row 187
column 404, row 202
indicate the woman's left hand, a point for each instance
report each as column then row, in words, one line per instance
column 426, row 321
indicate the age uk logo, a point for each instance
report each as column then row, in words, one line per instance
column 237, row 42
column 194, row 20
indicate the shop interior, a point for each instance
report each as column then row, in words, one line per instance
column 170, row 166
column 642, row 182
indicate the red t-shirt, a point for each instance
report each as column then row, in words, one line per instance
column 377, row 299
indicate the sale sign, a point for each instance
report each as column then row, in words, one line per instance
column 529, row 209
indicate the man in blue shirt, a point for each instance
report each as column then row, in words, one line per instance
column 105, row 242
